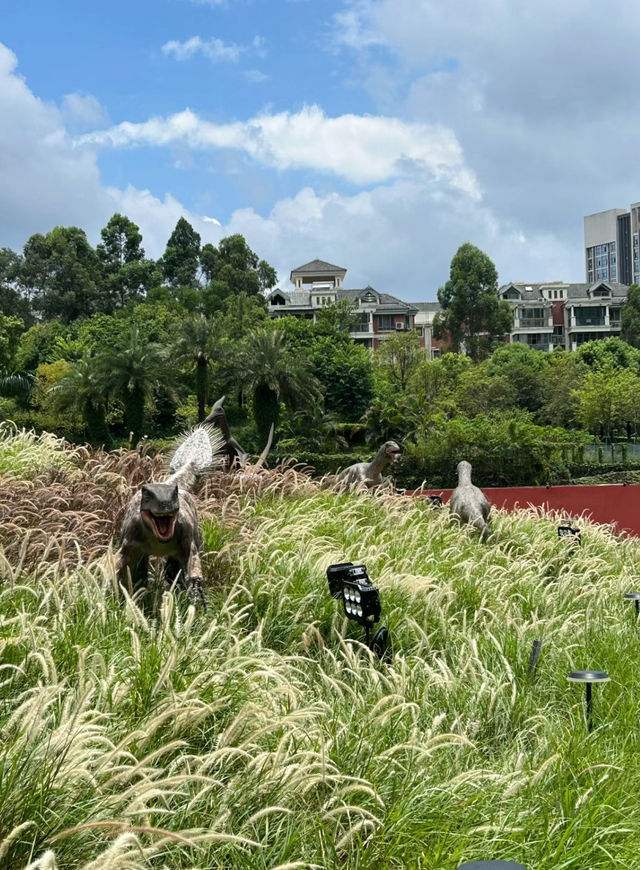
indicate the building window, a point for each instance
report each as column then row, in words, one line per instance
column 386, row 322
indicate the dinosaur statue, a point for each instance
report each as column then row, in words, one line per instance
column 370, row 473
column 468, row 503
column 161, row 519
column 236, row 456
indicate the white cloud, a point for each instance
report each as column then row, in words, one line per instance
column 214, row 49
column 256, row 76
column 44, row 181
column 361, row 149
column 84, row 110
column 538, row 94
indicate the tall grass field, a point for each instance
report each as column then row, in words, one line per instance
column 262, row 733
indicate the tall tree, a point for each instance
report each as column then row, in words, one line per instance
column 274, row 375
column 13, row 300
column 132, row 371
column 472, row 315
column 232, row 269
column 630, row 318
column 194, row 349
column 127, row 274
column 63, row 272
column 398, row 358
column 82, row 390
column 181, row 258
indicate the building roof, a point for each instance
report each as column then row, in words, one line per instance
column 319, row 267
column 384, row 299
column 533, row 292
column 427, row 306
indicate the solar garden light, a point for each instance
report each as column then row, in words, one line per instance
column 435, row 500
column 535, row 655
column 588, row 678
column 634, row 596
column 491, row 865
column 360, row 599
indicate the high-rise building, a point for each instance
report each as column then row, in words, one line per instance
column 612, row 245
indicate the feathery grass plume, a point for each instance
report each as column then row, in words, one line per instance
column 264, row 734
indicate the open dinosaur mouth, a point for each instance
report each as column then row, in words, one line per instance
column 163, row 525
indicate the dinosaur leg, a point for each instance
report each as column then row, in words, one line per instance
column 131, row 568
column 193, row 573
column 173, row 571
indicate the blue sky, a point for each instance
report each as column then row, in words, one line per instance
column 378, row 134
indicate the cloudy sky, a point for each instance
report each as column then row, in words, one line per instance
column 376, row 134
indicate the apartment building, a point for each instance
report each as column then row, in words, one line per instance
column 558, row 314
column 612, row 245
column 318, row 283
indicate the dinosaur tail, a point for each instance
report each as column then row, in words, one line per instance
column 196, row 454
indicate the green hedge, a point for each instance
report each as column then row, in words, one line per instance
column 322, row 463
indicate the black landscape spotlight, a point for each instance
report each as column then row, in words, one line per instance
column 435, row 500
column 634, row 596
column 588, row 678
column 491, row 865
column 360, row 599
column 567, row 530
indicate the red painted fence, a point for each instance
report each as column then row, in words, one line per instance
column 614, row 504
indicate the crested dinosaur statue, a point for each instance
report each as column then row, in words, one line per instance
column 369, row 474
column 235, row 455
column 161, row 519
column 468, row 503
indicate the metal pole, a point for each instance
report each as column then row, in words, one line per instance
column 367, row 630
column 589, row 708
column 535, row 655
column 637, row 608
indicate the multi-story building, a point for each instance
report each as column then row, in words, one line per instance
column 555, row 314
column 612, row 245
column 377, row 315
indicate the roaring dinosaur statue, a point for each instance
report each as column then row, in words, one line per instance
column 161, row 519
column 235, row 455
column 370, row 473
column 468, row 503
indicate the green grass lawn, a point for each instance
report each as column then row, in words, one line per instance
column 263, row 734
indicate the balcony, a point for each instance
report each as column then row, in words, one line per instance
column 533, row 323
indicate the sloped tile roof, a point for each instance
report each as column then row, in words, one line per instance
column 317, row 267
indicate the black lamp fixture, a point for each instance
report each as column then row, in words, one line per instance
column 588, row 678
column 361, row 601
column 567, row 530
column 634, row 596
column 491, row 865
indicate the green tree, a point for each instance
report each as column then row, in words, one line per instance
column 37, row 345
column 274, row 375
column 630, row 318
column 232, row 269
column 132, row 371
column 81, row 390
column 606, row 399
column 181, row 259
column 345, row 374
column 607, row 353
column 13, row 301
column 128, row 276
column 472, row 315
column 63, row 272
column 561, row 389
column 480, row 391
column 11, row 328
column 524, row 369
column 398, row 357
column 194, row 349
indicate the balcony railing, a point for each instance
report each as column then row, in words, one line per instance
column 589, row 321
column 533, row 322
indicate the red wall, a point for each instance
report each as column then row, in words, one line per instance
column 613, row 504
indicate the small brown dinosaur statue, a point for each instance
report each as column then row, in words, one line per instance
column 161, row 519
column 468, row 503
column 370, row 474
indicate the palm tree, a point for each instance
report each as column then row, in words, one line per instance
column 82, row 391
column 274, row 375
column 131, row 371
column 15, row 385
column 194, row 348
